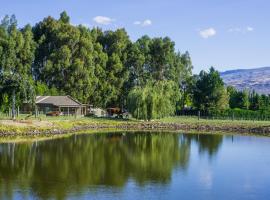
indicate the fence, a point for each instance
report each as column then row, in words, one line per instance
column 229, row 114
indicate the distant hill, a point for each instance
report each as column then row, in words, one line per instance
column 257, row 79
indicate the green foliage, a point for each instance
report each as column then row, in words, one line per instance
column 264, row 103
column 17, row 49
column 254, row 99
column 64, row 58
column 42, row 89
column 249, row 101
column 238, row 99
column 105, row 68
column 238, row 113
column 209, row 92
column 153, row 101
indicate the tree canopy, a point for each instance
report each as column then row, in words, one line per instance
column 209, row 91
column 106, row 69
column 102, row 68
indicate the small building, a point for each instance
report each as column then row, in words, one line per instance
column 98, row 112
column 64, row 104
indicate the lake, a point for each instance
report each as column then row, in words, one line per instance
column 137, row 166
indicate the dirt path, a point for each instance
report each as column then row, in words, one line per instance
column 26, row 123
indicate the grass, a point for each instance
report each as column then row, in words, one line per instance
column 216, row 122
column 67, row 123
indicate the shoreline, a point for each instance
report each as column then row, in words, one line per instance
column 62, row 128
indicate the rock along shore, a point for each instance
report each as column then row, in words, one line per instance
column 141, row 126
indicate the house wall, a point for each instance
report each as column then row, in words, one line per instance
column 45, row 108
column 71, row 110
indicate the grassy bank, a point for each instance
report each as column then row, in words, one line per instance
column 52, row 127
column 216, row 122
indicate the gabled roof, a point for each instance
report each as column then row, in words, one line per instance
column 64, row 101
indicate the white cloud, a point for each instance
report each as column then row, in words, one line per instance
column 206, row 33
column 144, row 23
column 103, row 20
column 147, row 22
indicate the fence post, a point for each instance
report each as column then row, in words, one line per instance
column 199, row 115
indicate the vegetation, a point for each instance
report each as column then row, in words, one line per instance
column 105, row 68
column 209, row 92
column 153, row 101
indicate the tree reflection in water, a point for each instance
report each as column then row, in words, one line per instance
column 52, row 169
column 208, row 143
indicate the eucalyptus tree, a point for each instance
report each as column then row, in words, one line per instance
column 16, row 58
column 162, row 54
column 100, row 59
column 64, row 57
column 116, row 45
column 93, row 66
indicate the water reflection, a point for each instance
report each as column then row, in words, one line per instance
column 207, row 143
column 52, row 169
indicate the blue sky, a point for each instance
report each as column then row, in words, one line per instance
column 226, row 34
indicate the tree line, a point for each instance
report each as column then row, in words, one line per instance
column 104, row 69
column 211, row 95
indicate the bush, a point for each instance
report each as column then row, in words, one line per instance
column 238, row 113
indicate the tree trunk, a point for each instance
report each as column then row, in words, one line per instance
column 13, row 105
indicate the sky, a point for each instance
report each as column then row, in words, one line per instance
column 226, row 34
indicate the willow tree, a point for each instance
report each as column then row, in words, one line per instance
column 153, row 101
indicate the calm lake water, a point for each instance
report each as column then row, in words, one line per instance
column 137, row 166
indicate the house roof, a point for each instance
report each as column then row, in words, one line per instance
column 63, row 101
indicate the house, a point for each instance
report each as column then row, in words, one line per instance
column 64, row 104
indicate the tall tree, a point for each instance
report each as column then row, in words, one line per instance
column 100, row 59
column 209, row 91
column 64, row 58
column 116, row 45
column 162, row 55
column 16, row 58
column 238, row 99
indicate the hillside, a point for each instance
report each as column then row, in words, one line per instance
column 257, row 79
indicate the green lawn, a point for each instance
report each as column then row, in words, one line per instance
column 224, row 122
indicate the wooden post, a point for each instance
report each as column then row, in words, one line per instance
column 68, row 111
column 199, row 115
